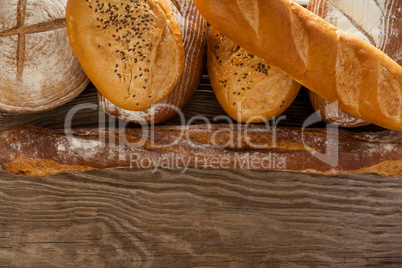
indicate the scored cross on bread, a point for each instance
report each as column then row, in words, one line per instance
column 131, row 50
column 38, row 68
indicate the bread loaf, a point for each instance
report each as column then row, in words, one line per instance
column 331, row 114
column 193, row 29
column 38, row 68
column 377, row 22
column 131, row 50
column 247, row 87
column 336, row 65
column 37, row 152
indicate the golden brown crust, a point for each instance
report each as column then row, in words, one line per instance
column 38, row 152
column 131, row 51
column 331, row 114
column 380, row 25
column 194, row 32
column 38, row 168
column 334, row 64
column 247, row 87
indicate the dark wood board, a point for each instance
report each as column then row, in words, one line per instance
column 218, row 218
column 201, row 217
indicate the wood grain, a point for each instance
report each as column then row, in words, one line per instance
column 219, row 218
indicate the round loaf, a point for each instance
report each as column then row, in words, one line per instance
column 247, row 87
column 38, row 68
column 378, row 23
column 132, row 51
column 193, row 28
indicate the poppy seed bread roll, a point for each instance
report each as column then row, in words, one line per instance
column 131, row 50
column 193, row 28
column 246, row 86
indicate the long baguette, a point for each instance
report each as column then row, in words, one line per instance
column 336, row 65
column 377, row 22
column 37, row 152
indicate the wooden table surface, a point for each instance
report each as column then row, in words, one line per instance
column 219, row 218
column 200, row 217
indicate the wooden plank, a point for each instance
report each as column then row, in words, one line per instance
column 128, row 218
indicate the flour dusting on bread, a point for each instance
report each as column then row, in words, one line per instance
column 38, row 68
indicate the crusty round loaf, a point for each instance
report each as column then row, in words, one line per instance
column 336, row 65
column 38, row 68
column 132, row 51
column 193, row 28
column 379, row 23
column 246, row 86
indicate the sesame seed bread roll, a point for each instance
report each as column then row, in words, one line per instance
column 377, row 22
column 246, row 86
column 193, row 29
column 337, row 65
column 131, row 50
column 38, row 68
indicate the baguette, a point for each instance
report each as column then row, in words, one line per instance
column 131, row 51
column 379, row 24
column 336, row 65
column 247, row 87
column 193, row 29
column 37, row 152
column 331, row 114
